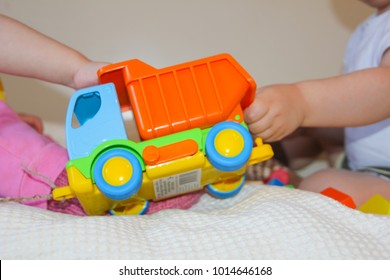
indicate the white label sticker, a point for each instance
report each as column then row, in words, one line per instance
column 177, row 184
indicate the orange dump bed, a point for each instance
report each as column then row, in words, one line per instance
column 196, row 94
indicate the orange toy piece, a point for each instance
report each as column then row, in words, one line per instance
column 195, row 94
column 340, row 197
column 153, row 155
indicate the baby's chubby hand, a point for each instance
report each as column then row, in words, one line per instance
column 275, row 113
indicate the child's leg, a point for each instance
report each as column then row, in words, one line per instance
column 29, row 161
column 360, row 186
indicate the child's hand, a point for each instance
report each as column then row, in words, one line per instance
column 87, row 74
column 275, row 113
column 33, row 121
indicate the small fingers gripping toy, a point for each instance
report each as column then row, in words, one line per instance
column 190, row 120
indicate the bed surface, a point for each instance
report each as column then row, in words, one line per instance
column 261, row 222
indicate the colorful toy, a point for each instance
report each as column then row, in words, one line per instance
column 190, row 120
column 377, row 204
column 340, row 197
column 275, row 182
column 278, row 177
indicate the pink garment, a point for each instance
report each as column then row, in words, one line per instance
column 21, row 146
column 180, row 202
column 72, row 206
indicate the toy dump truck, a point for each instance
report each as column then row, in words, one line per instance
column 192, row 130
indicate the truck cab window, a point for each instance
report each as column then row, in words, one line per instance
column 86, row 107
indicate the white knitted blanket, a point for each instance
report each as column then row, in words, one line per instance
column 261, row 222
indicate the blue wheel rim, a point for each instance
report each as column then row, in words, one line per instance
column 126, row 190
column 143, row 211
column 224, row 163
column 223, row 195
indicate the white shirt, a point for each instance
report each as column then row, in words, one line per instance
column 368, row 145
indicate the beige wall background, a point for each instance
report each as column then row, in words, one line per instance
column 277, row 41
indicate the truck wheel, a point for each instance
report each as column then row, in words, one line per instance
column 118, row 174
column 135, row 207
column 226, row 189
column 228, row 146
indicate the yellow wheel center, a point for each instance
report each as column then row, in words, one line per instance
column 229, row 143
column 117, row 171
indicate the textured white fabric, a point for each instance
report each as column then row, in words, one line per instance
column 261, row 222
